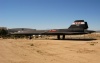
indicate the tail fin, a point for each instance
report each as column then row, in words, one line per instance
column 79, row 25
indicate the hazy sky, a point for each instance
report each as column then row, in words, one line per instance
column 48, row 14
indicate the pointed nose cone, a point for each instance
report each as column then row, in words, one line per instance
column 91, row 31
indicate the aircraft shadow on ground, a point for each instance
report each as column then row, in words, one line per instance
column 77, row 39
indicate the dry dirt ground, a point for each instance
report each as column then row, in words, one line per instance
column 49, row 51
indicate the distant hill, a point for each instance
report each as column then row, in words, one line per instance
column 98, row 31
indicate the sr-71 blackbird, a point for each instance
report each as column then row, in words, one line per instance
column 78, row 27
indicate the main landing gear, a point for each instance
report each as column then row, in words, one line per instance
column 58, row 37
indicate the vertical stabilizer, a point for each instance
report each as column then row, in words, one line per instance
column 78, row 25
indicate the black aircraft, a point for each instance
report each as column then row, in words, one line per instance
column 77, row 28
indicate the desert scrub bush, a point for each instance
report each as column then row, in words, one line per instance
column 93, row 43
column 31, row 44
